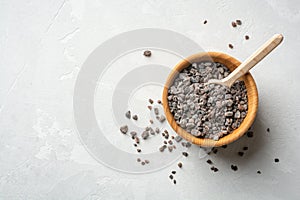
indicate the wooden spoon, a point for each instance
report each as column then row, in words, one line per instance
column 250, row 62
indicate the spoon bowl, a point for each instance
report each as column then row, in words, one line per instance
column 252, row 95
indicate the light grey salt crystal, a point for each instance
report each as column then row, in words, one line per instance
column 218, row 104
column 197, row 107
column 221, row 70
column 162, row 119
column 162, row 148
column 210, row 100
column 228, row 114
column 152, row 131
column 237, row 114
column 170, row 148
column 124, row 129
column 192, row 98
column 224, row 133
column 234, row 126
column 199, row 123
column 201, row 65
column 195, row 117
column 228, row 122
column 192, row 121
column 133, row 133
column 206, row 129
column 207, row 124
column 188, row 145
column 207, row 64
column 179, row 111
column 228, row 129
column 206, row 89
column 156, row 111
column 204, row 118
column 185, row 107
column 219, row 118
column 192, row 87
column 181, row 96
column 182, row 75
column 147, row 128
column 157, row 130
column 186, row 90
column 186, row 81
column 229, row 109
column 195, row 132
column 128, row 114
column 209, row 69
column 188, row 100
column 179, row 84
column 243, row 114
column 173, row 105
column 215, row 137
column 220, row 94
column 228, row 96
column 195, row 79
column 177, row 91
column 229, row 102
column 176, row 116
column 242, row 107
column 172, row 88
column 145, row 135
column 190, row 125
column 178, row 138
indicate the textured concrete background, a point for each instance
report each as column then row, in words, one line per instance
column 42, row 47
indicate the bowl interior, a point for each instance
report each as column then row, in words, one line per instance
column 252, row 95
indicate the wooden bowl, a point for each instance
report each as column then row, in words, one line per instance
column 252, row 95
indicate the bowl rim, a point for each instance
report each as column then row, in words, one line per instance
column 252, row 96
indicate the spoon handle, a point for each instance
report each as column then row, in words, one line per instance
column 255, row 58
